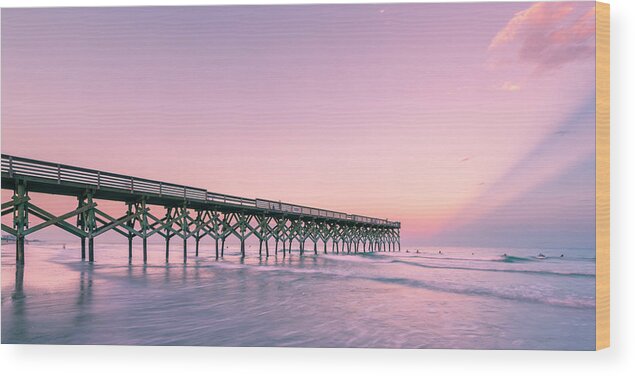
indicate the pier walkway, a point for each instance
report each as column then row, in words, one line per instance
column 187, row 212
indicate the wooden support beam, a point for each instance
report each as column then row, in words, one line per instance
column 20, row 221
column 115, row 229
column 44, row 215
column 130, row 236
column 91, row 249
column 54, row 220
column 14, row 202
column 129, row 248
column 89, row 216
column 168, row 217
column 119, row 222
column 141, row 207
column 8, row 229
column 184, row 229
column 113, row 225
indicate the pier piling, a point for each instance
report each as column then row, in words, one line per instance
column 91, row 250
column 167, row 248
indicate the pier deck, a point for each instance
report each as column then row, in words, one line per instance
column 188, row 212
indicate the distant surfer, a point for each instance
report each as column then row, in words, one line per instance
column 439, row 252
column 562, row 255
column 417, row 251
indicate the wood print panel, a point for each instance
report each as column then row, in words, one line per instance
column 603, row 176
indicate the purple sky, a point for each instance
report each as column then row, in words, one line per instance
column 472, row 124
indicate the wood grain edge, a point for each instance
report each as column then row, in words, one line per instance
column 602, row 176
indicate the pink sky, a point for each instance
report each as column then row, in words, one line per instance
column 470, row 123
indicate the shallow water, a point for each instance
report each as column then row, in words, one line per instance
column 460, row 298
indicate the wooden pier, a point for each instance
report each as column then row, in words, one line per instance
column 188, row 212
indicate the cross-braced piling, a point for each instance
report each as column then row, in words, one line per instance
column 186, row 212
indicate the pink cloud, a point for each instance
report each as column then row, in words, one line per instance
column 539, row 14
column 578, row 32
column 547, row 35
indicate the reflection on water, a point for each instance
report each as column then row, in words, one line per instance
column 460, row 298
column 18, row 300
column 18, row 291
column 84, row 297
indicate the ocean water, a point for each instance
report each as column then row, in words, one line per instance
column 473, row 298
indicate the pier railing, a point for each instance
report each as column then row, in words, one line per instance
column 60, row 173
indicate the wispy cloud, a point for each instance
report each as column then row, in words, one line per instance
column 547, row 35
column 510, row 86
column 536, row 16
